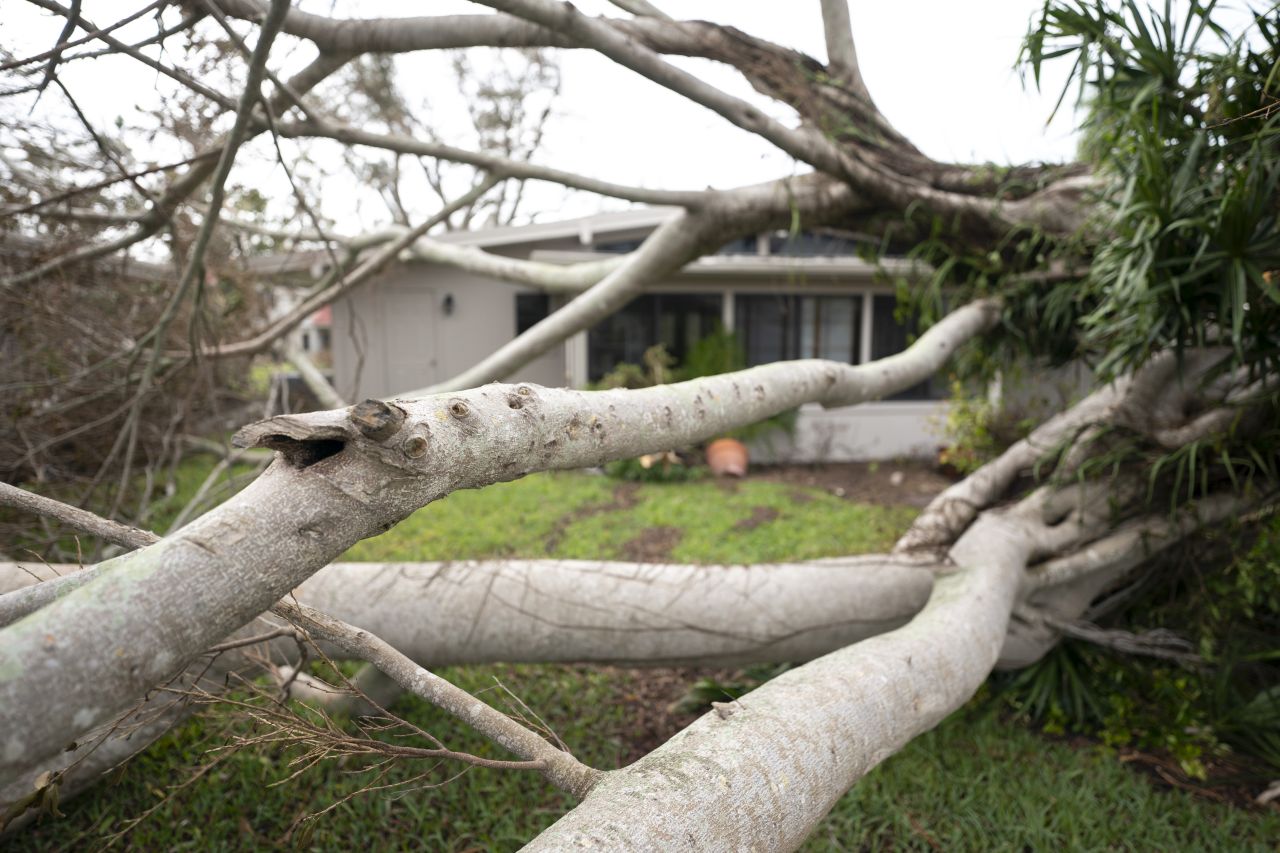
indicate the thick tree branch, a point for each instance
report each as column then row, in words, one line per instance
column 560, row 768
column 339, row 480
column 803, row 144
column 875, row 159
column 813, row 731
column 668, row 248
column 573, row 611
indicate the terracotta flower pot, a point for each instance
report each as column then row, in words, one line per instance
column 727, row 457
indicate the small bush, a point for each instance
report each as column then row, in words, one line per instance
column 655, row 468
column 718, row 352
column 1229, row 605
column 977, row 430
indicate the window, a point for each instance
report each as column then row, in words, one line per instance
column 676, row 320
column 317, row 339
column 617, row 247
column 531, row 308
column 808, row 243
column 888, row 336
column 778, row 327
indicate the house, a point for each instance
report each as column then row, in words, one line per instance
column 784, row 296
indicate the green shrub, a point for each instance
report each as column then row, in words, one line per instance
column 655, row 468
column 656, row 370
column 1229, row 605
column 976, row 430
column 719, row 352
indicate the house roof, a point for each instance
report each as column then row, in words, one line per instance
column 613, row 226
column 636, row 220
column 847, row 268
column 585, row 228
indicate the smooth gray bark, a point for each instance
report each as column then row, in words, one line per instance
column 339, row 480
column 760, row 773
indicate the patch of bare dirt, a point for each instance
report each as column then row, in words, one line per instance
column 624, row 497
column 759, row 515
column 909, row 483
column 728, row 485
column 648, row 696
column 1229, row 779
column 653, row 545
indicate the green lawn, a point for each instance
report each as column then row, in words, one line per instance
column 585, row 517
column 974, row 784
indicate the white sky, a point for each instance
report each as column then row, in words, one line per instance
column 943, row 73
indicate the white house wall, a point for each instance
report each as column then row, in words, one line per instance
column 393, row 334
column 407, row 341
column 872, row 431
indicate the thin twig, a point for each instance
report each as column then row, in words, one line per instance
column 561, row 768
column 111, row 531
column 90, row 36
column 59, row 46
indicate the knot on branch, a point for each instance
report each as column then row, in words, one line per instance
column 376, row 420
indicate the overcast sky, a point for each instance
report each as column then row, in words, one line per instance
column 943, row 72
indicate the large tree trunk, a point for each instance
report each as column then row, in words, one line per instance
column 760, row 773
column 772, row 763
column 899, row 640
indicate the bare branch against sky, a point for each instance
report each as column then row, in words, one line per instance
column 605, row 120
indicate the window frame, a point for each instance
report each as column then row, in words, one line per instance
column 731, row 293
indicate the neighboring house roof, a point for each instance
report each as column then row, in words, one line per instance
column 322, row 318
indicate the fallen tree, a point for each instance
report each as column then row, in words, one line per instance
column 1043, row 261
column 936, row 661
